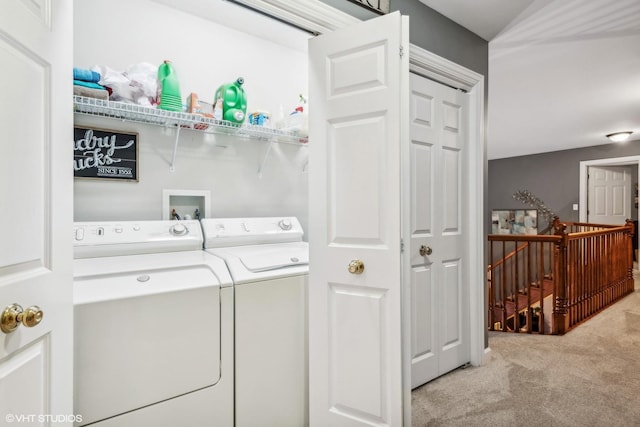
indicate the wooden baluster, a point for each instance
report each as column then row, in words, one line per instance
column 606, row 255
column 541, row 279
column 582, row 287
column 491, row 283
column 588, row 266
column 629, row 261
column 605, row 272
column 577, row 288
column 574, row 288
column 595, row 268
column 529, row 279
column 503, row 288
column 515, row 286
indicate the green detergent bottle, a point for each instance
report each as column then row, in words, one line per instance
column 168, row 88
column 234, row 101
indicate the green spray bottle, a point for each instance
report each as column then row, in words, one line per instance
column 233, row 100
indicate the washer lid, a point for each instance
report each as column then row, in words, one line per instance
column 274, row 257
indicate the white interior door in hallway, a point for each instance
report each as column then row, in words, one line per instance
column 609, row 194
column 36, row 371
column 439, row 286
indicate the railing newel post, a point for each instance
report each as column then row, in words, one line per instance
column 560, row 318
column 630, row 233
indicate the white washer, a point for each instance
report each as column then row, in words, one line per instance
column 153, row 326
column 269, row 264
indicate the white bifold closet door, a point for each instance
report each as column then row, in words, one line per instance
column 439, row 291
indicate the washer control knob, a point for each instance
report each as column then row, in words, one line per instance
column 285, row 224
column 79, row 233
column 178, row 230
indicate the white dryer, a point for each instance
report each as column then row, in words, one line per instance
column 153, row 326
column 269, row 264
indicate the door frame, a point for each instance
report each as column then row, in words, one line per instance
column 584, row 179
column 318, row 18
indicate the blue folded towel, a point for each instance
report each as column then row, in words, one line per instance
column 85, row 75
column 87, row 84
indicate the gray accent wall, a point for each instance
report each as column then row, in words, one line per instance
column 553, row 177
column 438, row 34
column 433, row 32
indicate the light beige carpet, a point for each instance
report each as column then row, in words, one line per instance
column 588, row 377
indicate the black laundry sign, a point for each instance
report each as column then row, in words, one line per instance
column 102, row 153
column 378, row 6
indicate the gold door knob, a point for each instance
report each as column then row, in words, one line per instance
column 13, row 315
column 425, row 250
column 32, row 316
column 356, row 266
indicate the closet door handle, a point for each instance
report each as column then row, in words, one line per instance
column 425, row 250
column 356, row 267
column 13, row 315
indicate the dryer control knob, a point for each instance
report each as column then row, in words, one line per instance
column 178, row 230
column 285, row 224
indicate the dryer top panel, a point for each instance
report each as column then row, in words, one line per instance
column 226, row 232
column 100, row 239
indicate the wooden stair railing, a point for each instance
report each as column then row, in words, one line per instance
column 520, row 281
column 595, row 269
column 551, row 283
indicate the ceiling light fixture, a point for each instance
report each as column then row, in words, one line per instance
column 619, row 136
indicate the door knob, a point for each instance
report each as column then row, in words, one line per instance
column 425, row 250
column 13, row 315
column 356, row 266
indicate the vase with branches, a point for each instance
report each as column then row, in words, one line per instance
column 525, row 196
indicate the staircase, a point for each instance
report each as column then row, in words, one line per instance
column 548, row 284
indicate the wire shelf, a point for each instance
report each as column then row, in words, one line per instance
column 155, row 116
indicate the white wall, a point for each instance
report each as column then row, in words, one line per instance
column 118, row 33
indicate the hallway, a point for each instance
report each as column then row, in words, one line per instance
column 588, row 377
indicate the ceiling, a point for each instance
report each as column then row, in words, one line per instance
column 562, row 73
column 486, row 18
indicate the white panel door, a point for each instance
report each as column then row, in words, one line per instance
column 609, row 196
column 440, row 330
column 36, row 190
column 355, row 343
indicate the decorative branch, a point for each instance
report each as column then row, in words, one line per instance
column 525, row 196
